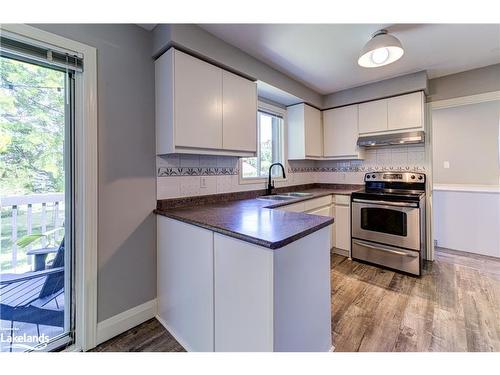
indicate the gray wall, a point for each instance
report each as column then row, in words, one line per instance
column 467, row 138
column 471, row 82
column 389, row 87
column 127, row 183
column 201, row 42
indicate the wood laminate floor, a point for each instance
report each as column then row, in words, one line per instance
column 454, row 306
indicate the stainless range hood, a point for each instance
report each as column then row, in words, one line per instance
column 412, row 137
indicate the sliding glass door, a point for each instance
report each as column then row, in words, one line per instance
column 36, row 201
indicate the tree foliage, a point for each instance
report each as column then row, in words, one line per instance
column 31, row 128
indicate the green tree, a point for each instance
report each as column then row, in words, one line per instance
column 31, row 128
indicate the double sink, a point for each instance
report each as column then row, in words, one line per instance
column 284, row 196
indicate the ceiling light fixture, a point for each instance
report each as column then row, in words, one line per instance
column 381, row 49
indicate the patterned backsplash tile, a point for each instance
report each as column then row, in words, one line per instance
column 405, row 158
column 195, row 171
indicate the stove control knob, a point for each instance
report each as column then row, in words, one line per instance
column 412, row 176
column 420, row 177
column 373, row 176
column 367, row 176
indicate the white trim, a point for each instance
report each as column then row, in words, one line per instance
column 464, row 188
column 122, row 322
column 465, row 100
column 271, row 108
column 174, row 334
column 85, row 180
column 429, row 225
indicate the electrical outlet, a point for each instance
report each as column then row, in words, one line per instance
column 446, row 164
column 203, row 182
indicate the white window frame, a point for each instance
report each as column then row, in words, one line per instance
column 272, row 109
column 86, row 189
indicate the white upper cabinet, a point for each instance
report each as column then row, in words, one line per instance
column 197, row 103
column 203, row 109
column 406, row 111
column 373, row 116
column 239, row 116
column 340, row 130
column 313, row 131
column 305, row 134
column 392, row 114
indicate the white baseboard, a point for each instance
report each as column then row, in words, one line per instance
column 122, row 322
column 342, row 252
column 179, row 339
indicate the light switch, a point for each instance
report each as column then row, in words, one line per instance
column 203, row 182
column 446, row 164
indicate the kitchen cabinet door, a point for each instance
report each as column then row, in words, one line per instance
column 342, row 227
column 406, row 111
column 243, row 290
column 197, row 103
column 373, row 116
column 296, row 207
column 305, row 132
column 239, row 119
column 185, row 277
column 340, row 129
column 326, row 211
column 313, row 132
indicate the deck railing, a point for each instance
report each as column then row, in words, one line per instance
column 51, row 214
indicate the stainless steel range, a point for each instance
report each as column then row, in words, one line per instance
column 388, row 221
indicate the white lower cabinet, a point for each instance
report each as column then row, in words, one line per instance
column 273, row 300
column 326, row 211
column 296, row 207
column 218, row 293
column 342, row 226
column 338, row 207
column 185, row 283
column 244, row 295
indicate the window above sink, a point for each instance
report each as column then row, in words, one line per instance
column 270, row 148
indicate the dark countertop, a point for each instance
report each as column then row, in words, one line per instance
column 254, row 220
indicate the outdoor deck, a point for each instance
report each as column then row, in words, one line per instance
column 7, row 328
column 22, row 216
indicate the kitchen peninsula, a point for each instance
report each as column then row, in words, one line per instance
column 246, row 274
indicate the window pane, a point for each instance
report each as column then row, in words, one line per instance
column 269, row 147
column 266, row 143
column 36, row 183
column 249, row 167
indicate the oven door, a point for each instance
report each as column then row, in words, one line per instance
column 392, row 223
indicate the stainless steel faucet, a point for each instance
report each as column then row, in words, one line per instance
column 270, row 185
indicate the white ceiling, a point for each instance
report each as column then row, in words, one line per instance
column 324, row 57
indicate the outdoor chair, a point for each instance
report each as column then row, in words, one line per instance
column 23, row 296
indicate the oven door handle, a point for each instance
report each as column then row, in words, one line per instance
column 386, row 203
column 386, row 249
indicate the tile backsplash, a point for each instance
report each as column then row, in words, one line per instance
column 182, row 175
